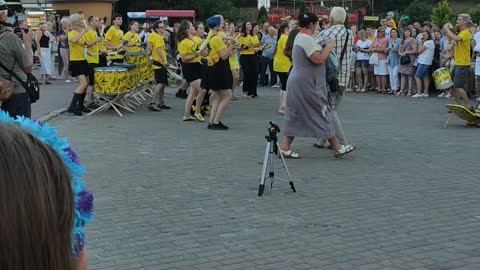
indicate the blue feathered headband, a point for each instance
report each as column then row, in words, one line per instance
column 83, row 198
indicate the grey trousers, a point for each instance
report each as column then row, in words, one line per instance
column 337, row 99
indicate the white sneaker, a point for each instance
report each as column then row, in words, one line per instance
column 425, row 95
column 68, row 81
column 442, row 95
column 478, row 99
column 417, row 95
column 448, row 96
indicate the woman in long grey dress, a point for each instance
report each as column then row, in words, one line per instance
column 307, row 112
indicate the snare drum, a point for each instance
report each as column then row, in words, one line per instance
column 139, row 58
column 442, row 78
column 110, row 80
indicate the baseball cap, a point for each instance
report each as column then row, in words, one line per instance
column 214, row 21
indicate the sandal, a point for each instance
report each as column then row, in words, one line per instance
column 289, row 154
column 344, row 149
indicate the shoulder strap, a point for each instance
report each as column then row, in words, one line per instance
column 344, row 47
column 10, row 71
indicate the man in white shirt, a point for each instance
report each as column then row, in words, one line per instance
column 476, row 51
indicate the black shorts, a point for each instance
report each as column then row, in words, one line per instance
column 218, row 76
column 460, row 74
column 161, row 76
column 192, row 72
column 91, row 74
column 78, row 68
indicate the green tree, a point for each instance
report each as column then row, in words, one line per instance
column 262, row 15
column 302, row 7
column 474, row 12
column 442, row 13
column 418, row 11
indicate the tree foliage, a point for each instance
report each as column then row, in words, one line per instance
column 418, row 11
column 262, row 15
column 442, row 13
column 474, row 12
column 302, row 7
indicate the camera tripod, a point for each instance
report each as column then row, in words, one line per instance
column 271, row 149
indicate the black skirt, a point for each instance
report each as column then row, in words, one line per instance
column 78, row 68
column 192, row 71
column 219, row 76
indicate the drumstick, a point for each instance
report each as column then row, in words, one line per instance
column 84, row 21
column 102, row 31
column 446, row 123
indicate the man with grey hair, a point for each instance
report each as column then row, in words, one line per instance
column 338, row 32
column 17, row 59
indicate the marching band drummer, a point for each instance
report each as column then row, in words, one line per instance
column 78, row 63
column 156, row 47
column 218, row 75
column 134, row 44
column 93, row 58
column 188, row 48
column 248, row 60
column 114, row 38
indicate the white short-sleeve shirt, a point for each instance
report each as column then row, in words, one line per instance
column 307, row 43
column 426, row 57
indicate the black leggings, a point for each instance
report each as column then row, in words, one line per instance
column 283, row 80
column 250, row 73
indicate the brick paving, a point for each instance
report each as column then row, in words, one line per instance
column 174, row 195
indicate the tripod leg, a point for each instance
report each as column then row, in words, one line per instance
column 271, row 173
column 261, row 187
column 292, row 186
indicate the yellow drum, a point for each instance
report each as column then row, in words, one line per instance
column 443, row 79
column 148, row 73
column 110, row 80
column 133, row 74
column 139, row 58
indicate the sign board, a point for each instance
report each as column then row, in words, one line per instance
column 371, row 18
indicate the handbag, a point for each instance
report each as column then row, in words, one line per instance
column 373, row 59
column 333, row 82
column 405, row 60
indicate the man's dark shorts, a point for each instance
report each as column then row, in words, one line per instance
column 161, row 76
column 460, row 74
column 91, row 74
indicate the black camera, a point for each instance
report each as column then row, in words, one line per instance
column 18, row 31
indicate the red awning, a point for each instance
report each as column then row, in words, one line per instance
column 171, row 13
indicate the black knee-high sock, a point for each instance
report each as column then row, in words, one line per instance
column 81, row 100
column 73, row 103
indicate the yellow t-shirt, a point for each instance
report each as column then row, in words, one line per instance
column 216, row 45
column 249, row 40
column 157, row 43
column 281, row 63
column 114, row 36
column 134, row 41
column 188, row 47
column 92, row 57
column 462, row 50
column 77, row 48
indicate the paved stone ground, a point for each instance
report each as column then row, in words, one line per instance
column 174, row 195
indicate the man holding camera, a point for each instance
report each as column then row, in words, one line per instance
column 18, row 60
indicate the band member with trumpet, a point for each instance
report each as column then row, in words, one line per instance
column 132, row 38
column 218, row 75
column 249, row 45
column 114, row 38
column 188, row 48
column 156, row 47
column 282, row 64
column 78, row 63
